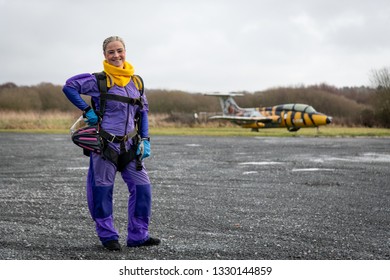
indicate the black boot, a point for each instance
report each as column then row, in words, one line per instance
column 112, row 245
column 151, row 242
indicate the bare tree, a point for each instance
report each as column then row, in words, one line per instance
column 380, row 79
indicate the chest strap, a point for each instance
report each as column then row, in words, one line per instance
column 123, row 99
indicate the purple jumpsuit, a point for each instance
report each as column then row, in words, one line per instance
column 118, row 119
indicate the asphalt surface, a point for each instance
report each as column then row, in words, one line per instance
column 213, row 198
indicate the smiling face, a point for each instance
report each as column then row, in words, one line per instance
column 115, row 53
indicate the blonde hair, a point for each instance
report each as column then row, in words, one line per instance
column 112, row 39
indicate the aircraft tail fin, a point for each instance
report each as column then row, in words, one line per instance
column 228, row 104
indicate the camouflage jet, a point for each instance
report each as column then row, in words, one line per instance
column 291, row 116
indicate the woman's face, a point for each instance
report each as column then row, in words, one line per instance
column 115, row 54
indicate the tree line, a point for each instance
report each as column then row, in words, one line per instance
column 351, row 106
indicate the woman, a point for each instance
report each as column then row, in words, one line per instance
column 118, row 122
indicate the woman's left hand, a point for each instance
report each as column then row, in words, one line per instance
column 143, row 149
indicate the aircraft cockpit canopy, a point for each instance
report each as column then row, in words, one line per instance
column 298, row 108
column 310, row 109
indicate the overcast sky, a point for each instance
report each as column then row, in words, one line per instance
column 210, row 45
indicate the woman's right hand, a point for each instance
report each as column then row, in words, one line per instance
column 91, row 117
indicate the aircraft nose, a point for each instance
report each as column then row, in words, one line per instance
column 329, row 120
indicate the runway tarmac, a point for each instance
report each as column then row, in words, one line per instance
column 213, row 198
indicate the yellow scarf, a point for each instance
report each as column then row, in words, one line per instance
column 120, row 76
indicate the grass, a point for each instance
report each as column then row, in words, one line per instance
column 329, row 131
column 31, row 121
column 60, row 122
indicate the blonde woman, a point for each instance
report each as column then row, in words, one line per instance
column 121, row 148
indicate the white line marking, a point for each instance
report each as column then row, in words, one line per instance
column 259, row 163
column 250, row 172
column 312, row 169
column 78, row 168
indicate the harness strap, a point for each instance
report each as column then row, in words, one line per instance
column 115, row 138
column 101, row 78
column 123, row 99
column 139, row 83
column 120, row 160
column 102, row 85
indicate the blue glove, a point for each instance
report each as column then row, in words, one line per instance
column 92, row 118
column 143, row 149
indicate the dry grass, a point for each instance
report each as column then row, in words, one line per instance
column 166, row 121
column 30, row 120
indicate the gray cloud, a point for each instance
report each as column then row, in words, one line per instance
column 198, row 45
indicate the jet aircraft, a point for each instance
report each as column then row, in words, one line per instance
column 291, row 116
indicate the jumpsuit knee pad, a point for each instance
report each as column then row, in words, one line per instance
column 102, row 200
column 143, row 200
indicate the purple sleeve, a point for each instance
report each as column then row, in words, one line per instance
column 144, row 126
column 145, row 102
column 75, row 97
column 80, row 84
column 84, row 84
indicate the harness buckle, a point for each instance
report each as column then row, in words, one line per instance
column 112, row 139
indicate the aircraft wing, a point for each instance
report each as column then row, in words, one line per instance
column 223, row 94
column 245, row 119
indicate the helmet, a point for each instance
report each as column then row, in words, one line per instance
column 86, row 137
